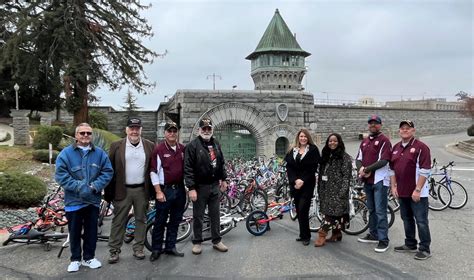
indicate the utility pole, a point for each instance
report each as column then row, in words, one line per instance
column 213, row 76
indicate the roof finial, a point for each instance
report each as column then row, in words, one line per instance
column 276, row 11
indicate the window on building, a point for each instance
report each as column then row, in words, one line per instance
column 306, row 118
column 281, row 146
column 286, row 60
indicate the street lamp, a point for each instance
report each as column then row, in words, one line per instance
column 16, row 87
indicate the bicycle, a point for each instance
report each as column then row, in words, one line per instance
column 315, row 217
column 459, row 196
column 258, row 222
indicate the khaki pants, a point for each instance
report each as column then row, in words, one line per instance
column 135, row 197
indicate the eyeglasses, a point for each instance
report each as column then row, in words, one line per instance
column 206, row 128
column 172, row 131
column 88, row 133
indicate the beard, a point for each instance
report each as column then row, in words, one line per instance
column 206, row 136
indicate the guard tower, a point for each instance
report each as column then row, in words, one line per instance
column 278, row 62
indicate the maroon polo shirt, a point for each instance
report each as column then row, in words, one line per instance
column 372, row 149
column 172, row 162
column 406, row 163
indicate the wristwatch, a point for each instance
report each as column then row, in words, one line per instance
column 417, row 190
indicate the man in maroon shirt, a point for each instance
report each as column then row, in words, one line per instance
column 167, row 176
column 372, row 163
column 410, row 167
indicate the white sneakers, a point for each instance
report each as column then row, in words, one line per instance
column 92, row 263
column 73, row 266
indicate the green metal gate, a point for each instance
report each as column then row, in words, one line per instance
column 236, row 141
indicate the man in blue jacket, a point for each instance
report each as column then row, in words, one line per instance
column 83, row 170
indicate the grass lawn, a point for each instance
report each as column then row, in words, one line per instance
column 17, row 158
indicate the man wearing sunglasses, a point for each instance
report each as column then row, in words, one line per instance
column 83, row 170
column 130, row 186
column 204, row 175
column 167, row 164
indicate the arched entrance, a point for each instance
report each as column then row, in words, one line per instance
column 236, row 141
column 281, row 146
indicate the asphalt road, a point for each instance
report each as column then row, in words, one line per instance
column 276, row 255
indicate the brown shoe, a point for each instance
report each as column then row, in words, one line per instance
column 139, row 255
column 220, row 247
column 197, row 249
column 321, row 239
column 114, row 257
column 336, row 236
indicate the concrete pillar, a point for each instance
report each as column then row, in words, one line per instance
column 21, row 127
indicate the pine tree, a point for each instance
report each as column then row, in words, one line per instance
column 78, row 44
column 131, row 106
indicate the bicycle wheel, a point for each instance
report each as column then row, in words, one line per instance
column 359, row 221
column 439, row 197
column 393, row 202
column 259, row 201
column 390, row 216
column 149, row 236
column 129, row 229
column 459, row 195
column 293, row 215
column 226, row 224
column 224, row 202
column 256, row 224
column 184, row 230
column 315, row 218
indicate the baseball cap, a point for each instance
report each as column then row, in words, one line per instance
column 134, row 122
column 205, row 123
column 407, row 122
column 376, row 118
column 170, row 125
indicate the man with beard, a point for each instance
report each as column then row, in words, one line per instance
column 205, row 176
column 129, row 187
column 372, row 163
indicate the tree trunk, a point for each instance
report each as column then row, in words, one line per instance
column 82, row 114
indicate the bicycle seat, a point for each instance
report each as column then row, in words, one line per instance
column 34, row 234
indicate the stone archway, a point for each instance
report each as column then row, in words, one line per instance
column 242, row 114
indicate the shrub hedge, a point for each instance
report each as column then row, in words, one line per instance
column 470, row 130
column 46, row 135
column 21, row 190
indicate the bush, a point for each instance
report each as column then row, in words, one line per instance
column 97, row 119
column 43, row 155
column 100, row 138
column 21, row 190
column 46, row 135
column 470, row 130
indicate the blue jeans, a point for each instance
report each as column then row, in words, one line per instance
column 416, row 212
column 86, row 218
column 377, row 203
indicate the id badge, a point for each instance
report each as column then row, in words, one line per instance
column 324, row 178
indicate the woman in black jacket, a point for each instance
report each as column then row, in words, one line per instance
column 301, row 165
column 335, row 176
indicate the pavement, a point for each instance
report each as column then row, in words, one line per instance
column 276, row 255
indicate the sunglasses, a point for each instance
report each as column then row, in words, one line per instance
column 83, row 133
column 206, row 128
column 172, row 131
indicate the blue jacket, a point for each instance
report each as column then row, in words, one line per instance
column 83, row 175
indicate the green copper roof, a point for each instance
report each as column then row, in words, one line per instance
column 278, row 38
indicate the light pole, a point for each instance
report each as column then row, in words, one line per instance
column 213, row 76
column 16, row 87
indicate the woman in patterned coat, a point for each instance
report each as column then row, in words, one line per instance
column 335, row 176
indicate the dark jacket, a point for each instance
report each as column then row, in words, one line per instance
column 76, row 171
column 334, row 192
column 198, row 169
column 116, row 190
column 304, row 169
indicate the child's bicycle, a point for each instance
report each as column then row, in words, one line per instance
column 258, row 222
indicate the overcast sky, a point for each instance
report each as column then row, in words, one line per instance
column 388, row 50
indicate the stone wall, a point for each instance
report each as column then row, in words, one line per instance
column 352, row 121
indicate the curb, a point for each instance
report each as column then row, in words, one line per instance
column 451, row 148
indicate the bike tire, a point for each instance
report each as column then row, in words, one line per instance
column 224, row 203
column 293, row 215
column 439, row 197
column 129, row 229
column 390, row 216
column 459, row 195
column 259, row 201
column 54, row 236
column 252, row 224
column 359, row 222
column 226, row 225
column 184, row 230
column 149, row 236
column 315, row 218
